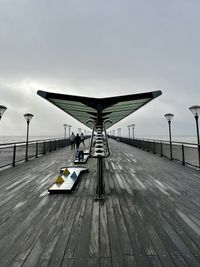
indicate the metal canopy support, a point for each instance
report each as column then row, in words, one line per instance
column 99, row 109
column 94, row 112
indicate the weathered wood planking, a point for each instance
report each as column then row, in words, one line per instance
column 150, row 216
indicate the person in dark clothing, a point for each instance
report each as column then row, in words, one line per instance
column 77, row 141
column 82, row 138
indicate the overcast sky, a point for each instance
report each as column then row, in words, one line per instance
column 99, row 49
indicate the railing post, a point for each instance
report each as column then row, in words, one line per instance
column 183, row 155
column 44, row 149
column 147, row 146
column 161, row 149
column 36, row 150
column 170, row 146
column 14, row 154
column 199, row 153
column 154, row 152
column 50, row 146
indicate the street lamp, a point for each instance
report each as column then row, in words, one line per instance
column 28, row 117
column 119, row 132
column 133, row 125
column 129, row 134
column 65, row 126
column 196, row 112
column 169, row 117
column 69, row 126
column 2, row 110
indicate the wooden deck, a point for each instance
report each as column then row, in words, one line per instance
column 150, row 217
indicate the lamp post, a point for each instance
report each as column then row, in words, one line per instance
column 65, row 126
column 119, row 132
column 69, row 127
column 2, row 110
column 129, row 134
column 169, row 117
column 133, row 125
column 28, row 117
column 196, row 112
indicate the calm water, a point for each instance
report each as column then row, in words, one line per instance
column 10, row 139
column 178, row 138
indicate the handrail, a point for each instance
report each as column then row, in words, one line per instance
column 185, row 152
column 91, row 141
column 31, row 141
column 13, row 153
column 106, row 136
column 166, row 141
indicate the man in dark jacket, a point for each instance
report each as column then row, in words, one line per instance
column 77, row 141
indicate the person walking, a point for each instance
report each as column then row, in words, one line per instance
column 82, row 139
column 72, row 140
column 77, row 141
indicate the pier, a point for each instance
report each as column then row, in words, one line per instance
column 150, row 215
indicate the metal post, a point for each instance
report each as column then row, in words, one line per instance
column 100, row 182
column 50, row 146
column 197, row 126
column 69, row 126
column 44, row 150
column 161, row 149
column 170, row 139
column 198, row 141
column 26, row 157
column 36, row 150
column 65, row 126
column 14, row 155
column 183, row 155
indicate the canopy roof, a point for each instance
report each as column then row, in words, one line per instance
column 99, row 109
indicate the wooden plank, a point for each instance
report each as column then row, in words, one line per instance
column 129, row 261
column 104, row 243
column 94, row 233
column 60, row 248
column 76, row 229
column 105, row 262
column 82, row 249
column 179, row 261
column 155, row 261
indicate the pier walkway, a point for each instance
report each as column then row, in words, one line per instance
column 150, row 216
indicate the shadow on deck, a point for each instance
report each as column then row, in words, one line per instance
column 150, row 216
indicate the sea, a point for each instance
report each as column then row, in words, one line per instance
column 13, row 139
column 177, row 138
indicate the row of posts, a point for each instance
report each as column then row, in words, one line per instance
column 57, row 144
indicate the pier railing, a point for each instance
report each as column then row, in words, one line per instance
column 13, row 153
column 186, row 153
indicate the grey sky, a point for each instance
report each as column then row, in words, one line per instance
column 99, row 48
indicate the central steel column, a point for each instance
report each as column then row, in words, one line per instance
column 100, row 181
